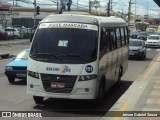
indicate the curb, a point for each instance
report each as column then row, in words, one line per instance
column 15, row 43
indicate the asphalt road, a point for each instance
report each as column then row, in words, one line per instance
column 14, row 97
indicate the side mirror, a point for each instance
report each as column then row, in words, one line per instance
column 14, row 57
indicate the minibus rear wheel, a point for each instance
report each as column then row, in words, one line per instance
column 119, row 77
column 38, row 99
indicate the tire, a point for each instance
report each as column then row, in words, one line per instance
column 38, row 100
column 11, row 79
column 101, row 94
column 119, row 78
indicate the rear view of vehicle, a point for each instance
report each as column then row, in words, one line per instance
column 134, row 34
column 137, row 49
column 153, row 41
column 142, row 36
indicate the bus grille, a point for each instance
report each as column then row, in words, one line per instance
column 67, row 81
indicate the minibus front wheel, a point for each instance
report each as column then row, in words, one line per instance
column 101, row 93
column 38, row 99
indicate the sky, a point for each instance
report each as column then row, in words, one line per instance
column 142, row 7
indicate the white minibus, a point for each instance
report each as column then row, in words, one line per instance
column 77, row 57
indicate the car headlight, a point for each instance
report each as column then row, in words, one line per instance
column 87, row 77
column 9, row 68
column 33, row 74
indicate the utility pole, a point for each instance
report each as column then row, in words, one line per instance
column 13, row 2
column 129, row 11
column 57, row 7
column 89, row 6
column 135, row 14
column 111, row 3
column 108, row 9
column 147, row 10
column 34, row 12
column 77, row 4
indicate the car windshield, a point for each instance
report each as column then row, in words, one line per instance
column 135, row 43
column 153, row 37
column 71, row 45
column 23, row 55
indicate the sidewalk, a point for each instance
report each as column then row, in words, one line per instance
column 142, row 99
column 3, row 53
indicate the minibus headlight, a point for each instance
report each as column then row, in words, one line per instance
column 33, row 74
column 87, row 77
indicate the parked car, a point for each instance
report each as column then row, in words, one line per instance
column 142, row 35
column 3, row 34
column 12, row 32
column 153, row 41
column 18, row 67
column 137, row 48
column 24, row 32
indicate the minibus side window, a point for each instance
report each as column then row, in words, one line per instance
column 103, row 41
column 119, row 42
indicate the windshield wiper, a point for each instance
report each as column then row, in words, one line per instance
column 74, row 55
column 44, row 55
column 22, row 58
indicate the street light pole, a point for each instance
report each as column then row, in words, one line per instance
column 89, row 6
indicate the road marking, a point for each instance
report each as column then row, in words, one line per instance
column 150, row 69
column 20, row 101
column 158, row 50
column 147, row 74
column 123, row 108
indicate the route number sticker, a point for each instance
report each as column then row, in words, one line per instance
column 89, row 69
column 63, row 43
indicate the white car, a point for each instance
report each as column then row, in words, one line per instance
column 153, row 41
column 12, row 32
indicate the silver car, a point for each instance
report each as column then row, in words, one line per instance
column 153, row 41
column 137, row 48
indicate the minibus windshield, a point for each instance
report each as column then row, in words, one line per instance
column 65, row 45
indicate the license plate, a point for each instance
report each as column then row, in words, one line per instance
column 57, row 85
column 21, row 75
column 131, row 53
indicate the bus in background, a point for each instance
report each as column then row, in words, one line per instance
column 141, row 26
column 152, row 28
column 159, row 28
column 77, row 57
